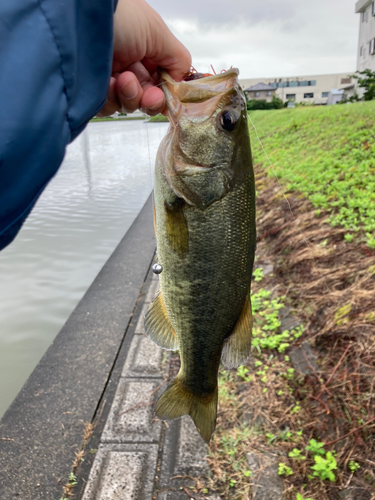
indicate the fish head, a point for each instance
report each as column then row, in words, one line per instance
column 203, row 149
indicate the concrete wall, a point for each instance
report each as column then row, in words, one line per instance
column 321, row 83
column 365, row 60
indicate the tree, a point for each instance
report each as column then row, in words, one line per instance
column 366, row 80
column 276, row 103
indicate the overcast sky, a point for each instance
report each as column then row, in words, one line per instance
column 266, row 38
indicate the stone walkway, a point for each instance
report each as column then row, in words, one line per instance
column 140, row 457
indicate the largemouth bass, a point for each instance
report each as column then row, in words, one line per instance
column 205, row 228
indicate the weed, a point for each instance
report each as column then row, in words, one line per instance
column 296, row 454
column 335, row 166
column 258, row 274
column 315, row 447
column 295, row 409
column 324, row 466
column 300, row 497
column 242, row 372
column 354, row 466
column 284, row 470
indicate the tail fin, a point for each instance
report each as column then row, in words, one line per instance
column 177, row 400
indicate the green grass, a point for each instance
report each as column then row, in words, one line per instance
column 327, row 154
column 110, row 119
column 157, row 119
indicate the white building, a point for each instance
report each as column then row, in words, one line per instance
column 366, row 42
column 311, row 89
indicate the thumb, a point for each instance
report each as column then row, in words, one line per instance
column 166, row 51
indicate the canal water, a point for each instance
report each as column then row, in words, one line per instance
column 85, row 211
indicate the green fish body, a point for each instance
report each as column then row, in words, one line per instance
column 205, row 227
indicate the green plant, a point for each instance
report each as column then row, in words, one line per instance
column 315, row 447
column 349, row 237
column 324, row 466
column 296, row 409
column 72, row 479
column 326, row 154
column 258, row 274
column 300, row 497
column 353, row 466
column 366, row 80
column 296, row 454
column 232, row 483
column 284, row 470
column 242, row 372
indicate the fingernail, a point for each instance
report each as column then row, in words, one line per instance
column 130, row 89
column 157, row 105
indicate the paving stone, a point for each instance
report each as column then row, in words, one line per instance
column 287, row 320
column 122, row 473
column 267, row 484
column 138, row 424
column 152, row 291
column 173, row 495
column 268, row 268
column 304, row 359
column 145, row 359
column 184, row 452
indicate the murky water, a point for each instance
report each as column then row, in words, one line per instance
column 80, row 218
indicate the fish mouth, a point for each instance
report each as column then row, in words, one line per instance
column 198, row 90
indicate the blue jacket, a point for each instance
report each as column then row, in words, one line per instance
column 55, row 64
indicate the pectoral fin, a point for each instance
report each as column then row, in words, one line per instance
column 158, row 327
column 236, row 349
column 177, row 230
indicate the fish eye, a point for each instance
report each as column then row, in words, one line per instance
column 228, row 121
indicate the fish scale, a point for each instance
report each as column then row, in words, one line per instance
column 205, row 228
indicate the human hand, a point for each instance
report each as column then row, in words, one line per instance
column 142, row 43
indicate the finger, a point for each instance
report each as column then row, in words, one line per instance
column 167, row 51
column 112, row 104
column 153, row 101
column 129, row 91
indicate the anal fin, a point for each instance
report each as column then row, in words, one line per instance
column 236, row 349
column 158, row 327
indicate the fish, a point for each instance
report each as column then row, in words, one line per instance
column 204, row 216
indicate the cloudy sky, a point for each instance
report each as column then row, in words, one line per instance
column 266, row 38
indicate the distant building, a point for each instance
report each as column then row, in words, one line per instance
column 260, row 92
column 335, row 96
column 366, row 41
column 311, row 89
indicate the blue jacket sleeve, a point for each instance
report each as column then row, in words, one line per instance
column 55, row 64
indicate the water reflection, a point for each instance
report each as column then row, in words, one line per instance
column 75, row 226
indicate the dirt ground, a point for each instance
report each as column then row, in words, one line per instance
column 327, row 285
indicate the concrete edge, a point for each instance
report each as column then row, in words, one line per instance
column 43, row 428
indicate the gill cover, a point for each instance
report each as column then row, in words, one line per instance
column 205, row 116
